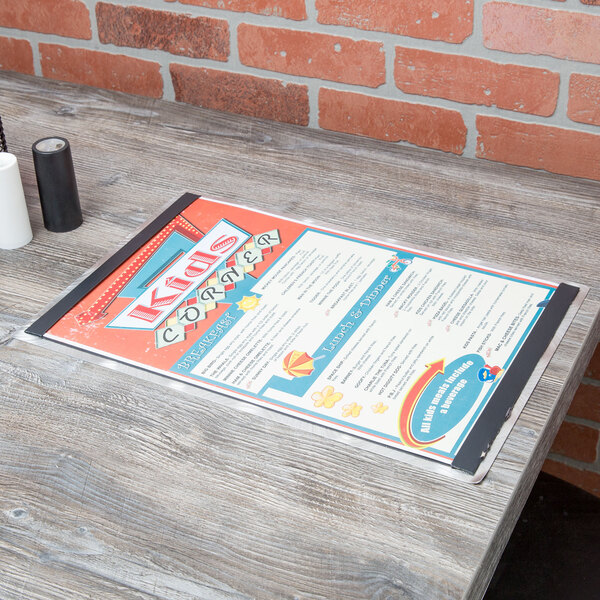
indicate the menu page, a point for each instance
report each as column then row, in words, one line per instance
column 390, row 344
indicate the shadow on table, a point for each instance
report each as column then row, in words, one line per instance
column 554, row 551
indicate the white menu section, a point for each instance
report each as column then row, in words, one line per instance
column 303, row 296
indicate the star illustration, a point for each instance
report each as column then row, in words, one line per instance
column 248, row 303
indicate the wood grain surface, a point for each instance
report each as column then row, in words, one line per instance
column 112, row 487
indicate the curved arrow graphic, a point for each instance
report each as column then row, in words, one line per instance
column 407, row 408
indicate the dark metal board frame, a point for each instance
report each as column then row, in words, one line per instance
column 489, row 423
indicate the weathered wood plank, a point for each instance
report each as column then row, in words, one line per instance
column 113, row 488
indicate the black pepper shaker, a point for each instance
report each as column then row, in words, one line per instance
column 56, row 184
column 3, row 147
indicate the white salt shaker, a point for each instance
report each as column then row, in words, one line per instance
column 15, row 229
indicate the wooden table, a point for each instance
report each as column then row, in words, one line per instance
column 112, row 488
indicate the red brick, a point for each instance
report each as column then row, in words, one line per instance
column 312, row 55
column 100, row 69
column 584, row 99
column 576, row 441
column 586, row 403
column 288, row 9
column 196, row 37
column 593, row 369
column 553, row 149
column 586, row 480
column 476, row 81
column 242, row 94
column 447, row 20
column 392, row 120
column 16, row 55
column 69, row 18
column 592, row 2
column 533, row 30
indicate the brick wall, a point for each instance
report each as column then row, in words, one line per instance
column 514, row 81
column 575, row 455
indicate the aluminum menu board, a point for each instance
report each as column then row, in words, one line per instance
column 412, row 350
